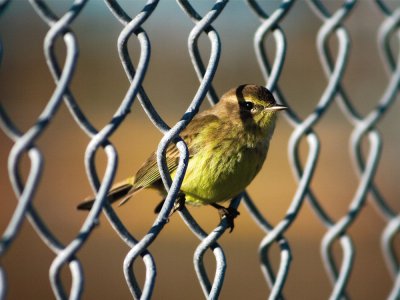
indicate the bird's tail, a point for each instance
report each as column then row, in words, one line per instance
column 122, row 191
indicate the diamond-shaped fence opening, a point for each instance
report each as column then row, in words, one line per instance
column 89, row 88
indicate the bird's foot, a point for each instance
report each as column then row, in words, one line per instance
column 179, row 203
column 229, row 213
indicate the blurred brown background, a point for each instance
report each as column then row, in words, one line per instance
column 99, row 85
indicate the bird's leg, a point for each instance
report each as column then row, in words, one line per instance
column 229, row 213
column 157, row 209
column 179, row 204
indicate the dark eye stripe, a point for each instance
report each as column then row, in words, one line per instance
column 246, row 105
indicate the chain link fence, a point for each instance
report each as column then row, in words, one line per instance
column 275, row 25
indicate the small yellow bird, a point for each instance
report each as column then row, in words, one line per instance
column 227, row 143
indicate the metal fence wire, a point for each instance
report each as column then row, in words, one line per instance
column 338, row 248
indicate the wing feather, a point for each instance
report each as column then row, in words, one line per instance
column 148, row 174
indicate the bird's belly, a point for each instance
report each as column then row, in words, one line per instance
column 219, row 176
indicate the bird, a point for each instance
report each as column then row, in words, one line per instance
column 228, row 144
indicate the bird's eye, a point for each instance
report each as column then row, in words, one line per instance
column 247, row 105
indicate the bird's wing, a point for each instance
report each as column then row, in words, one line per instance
column 148, row 174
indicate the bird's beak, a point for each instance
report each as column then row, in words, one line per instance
column 276, row 107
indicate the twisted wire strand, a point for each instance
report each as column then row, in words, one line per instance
column 355, row 118
column 18, row 215
column 24, row 142
column 140, row 247
column 134, row 26
column 202, row 25
column 205, row 75
column 364, row 126
column 305, row 127
column 100, row 139
column 271, row 75
column 35, row 131
column 59, row 27
column 209, row 241
column 337, row 230
column 271, row 24
column 88, row 128
column 25, row 193
column 144, row 100
column 324, row 217
column 388, row 29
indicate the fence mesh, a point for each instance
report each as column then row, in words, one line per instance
column 275, row 25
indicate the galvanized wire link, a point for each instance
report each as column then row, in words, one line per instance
column 133, row 26
column 205, row 75
column 101, row 139
column 389, row 29
column 270, row 25
column 140, row 247
column 25, row 194
column 364, row 126
column 25, row 142
column 337, row 230
column 59, row 28
column 86, row 126
column 14, row 224
column 305, row 127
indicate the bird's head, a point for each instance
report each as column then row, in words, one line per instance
column 254, row 105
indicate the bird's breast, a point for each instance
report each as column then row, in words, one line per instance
column 221, row 171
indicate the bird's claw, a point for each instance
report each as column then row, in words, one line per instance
column 179, row 203
column 228, row 213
